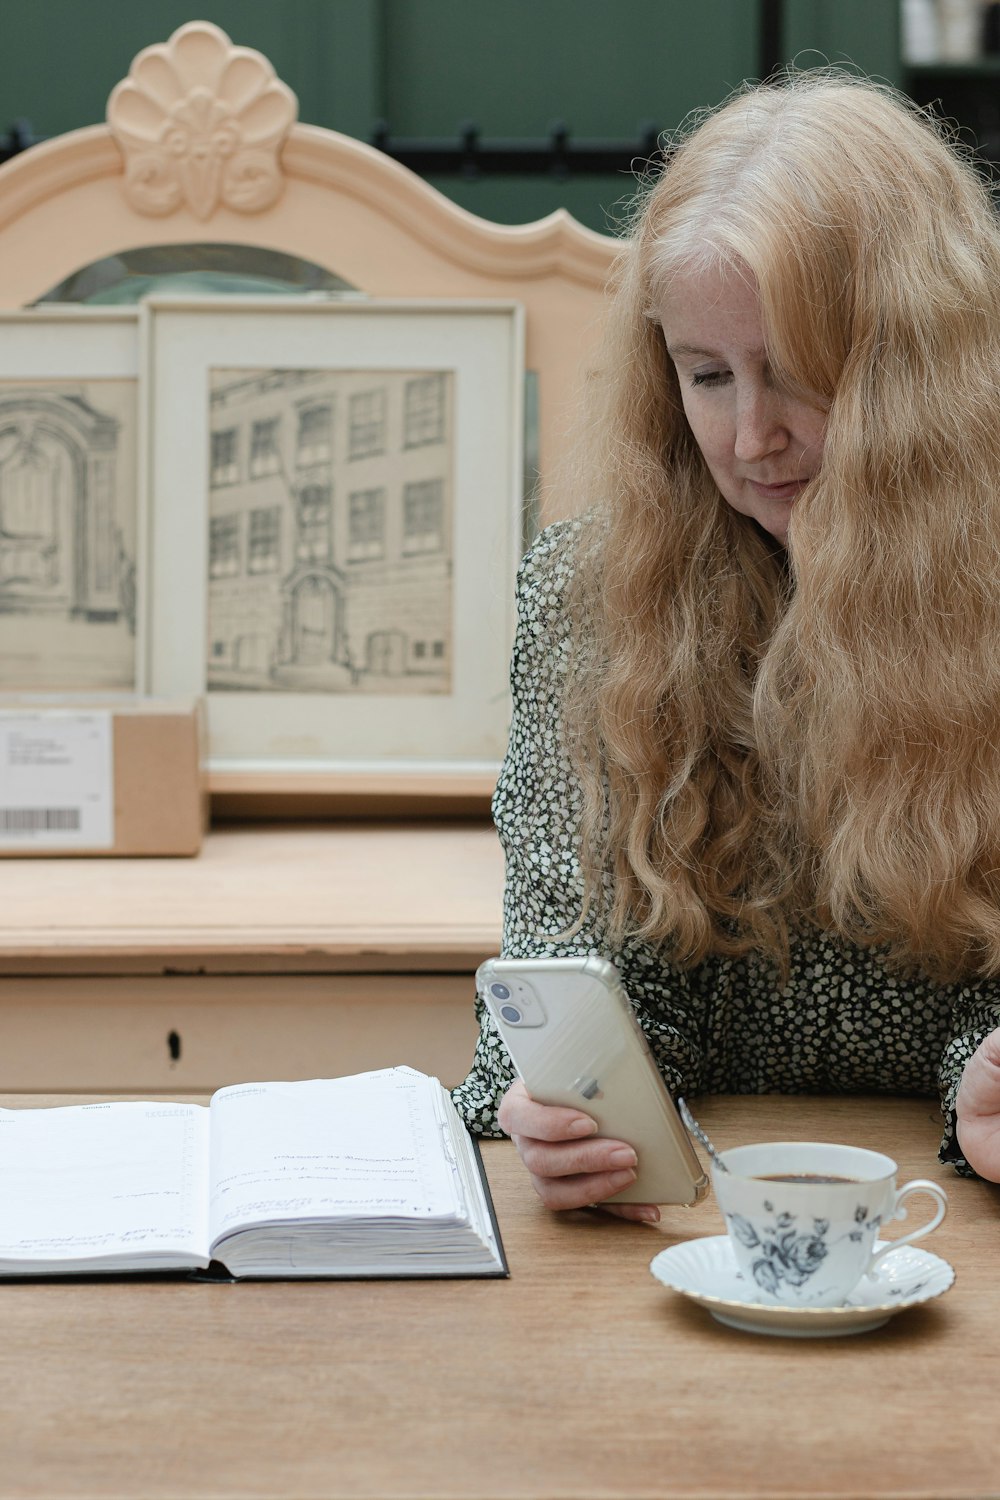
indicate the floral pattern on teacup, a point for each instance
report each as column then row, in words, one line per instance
column 789, row 1254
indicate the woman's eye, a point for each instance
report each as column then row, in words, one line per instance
column 710, row 377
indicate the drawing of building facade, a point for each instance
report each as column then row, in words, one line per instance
column 330, row 552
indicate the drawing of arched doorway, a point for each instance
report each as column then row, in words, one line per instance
column 316, row 620
column 59, row 546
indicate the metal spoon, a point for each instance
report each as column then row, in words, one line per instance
column 699, row 1135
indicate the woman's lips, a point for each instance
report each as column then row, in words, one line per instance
column 786, row 491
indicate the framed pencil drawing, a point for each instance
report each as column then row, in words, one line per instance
column 334, row 493
column 70, row 520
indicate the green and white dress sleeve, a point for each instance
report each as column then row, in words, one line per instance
column 540, row 898
column 536, row 809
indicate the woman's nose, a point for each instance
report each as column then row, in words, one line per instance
column 760, row 428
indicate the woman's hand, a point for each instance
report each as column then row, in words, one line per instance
column 571, row 1166
column 978, row 1109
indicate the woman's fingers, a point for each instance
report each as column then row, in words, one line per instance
column 571, row 1166
column 583, row 1190
column 978, row 1109
column 590, row 1190
column 520, row 1115
column 577, row 1158
column 641, row 1213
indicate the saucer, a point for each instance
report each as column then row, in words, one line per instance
column 705, row 1270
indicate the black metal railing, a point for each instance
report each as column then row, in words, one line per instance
column 18, row 138
column 559, row 154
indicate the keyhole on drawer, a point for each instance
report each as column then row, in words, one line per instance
column 174, row 1045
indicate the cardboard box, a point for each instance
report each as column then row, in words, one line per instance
column 101, row 776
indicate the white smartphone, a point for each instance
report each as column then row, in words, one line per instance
column 574, row 1039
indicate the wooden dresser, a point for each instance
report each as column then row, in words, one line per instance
column 281, row 951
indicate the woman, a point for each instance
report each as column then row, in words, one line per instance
column 755, row 756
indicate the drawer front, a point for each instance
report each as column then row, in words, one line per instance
column 174, row 1034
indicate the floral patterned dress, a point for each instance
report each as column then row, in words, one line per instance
column 843, row 1023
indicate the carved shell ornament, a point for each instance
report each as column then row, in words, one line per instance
column 201, row 122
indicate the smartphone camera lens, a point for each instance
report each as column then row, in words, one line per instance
column 499, row 992
column 511, row 1013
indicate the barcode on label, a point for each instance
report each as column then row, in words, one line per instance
column 39, row 819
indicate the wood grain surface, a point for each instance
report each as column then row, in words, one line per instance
column 579, row 1377
column 294, row 897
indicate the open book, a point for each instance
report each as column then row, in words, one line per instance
column 372, row 1175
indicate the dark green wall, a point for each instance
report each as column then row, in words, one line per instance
column 59, row 59
column 603, row 67
column 862, row 32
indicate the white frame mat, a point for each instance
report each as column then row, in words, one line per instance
column 459, row 728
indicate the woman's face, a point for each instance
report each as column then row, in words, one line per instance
column 762, row 444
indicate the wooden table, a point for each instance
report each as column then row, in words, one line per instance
column 579, row 1377
column 279, row 951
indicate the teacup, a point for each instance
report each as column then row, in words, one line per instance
column 803, row 1217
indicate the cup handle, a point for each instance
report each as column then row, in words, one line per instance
column 916, row 1185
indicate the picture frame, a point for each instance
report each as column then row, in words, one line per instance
column 72, row 514
column 334, row 493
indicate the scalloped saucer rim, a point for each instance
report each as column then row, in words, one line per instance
column 704, row 1270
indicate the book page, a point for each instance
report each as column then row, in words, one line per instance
column 92, row 1181
column 366, row 1146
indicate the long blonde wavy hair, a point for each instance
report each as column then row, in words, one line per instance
column 768, row 741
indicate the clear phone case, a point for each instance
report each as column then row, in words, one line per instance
column 574, row 1039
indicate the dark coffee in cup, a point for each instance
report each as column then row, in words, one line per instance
column 803, row 1177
